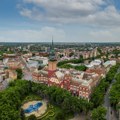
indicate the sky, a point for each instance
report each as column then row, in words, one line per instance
column 65, row 20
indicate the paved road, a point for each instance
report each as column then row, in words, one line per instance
column 110, row 112
column 27, row 76
column 111, row 115
column 3, row 85
column 25, row 63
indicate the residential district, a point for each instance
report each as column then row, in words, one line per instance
column 77, row 69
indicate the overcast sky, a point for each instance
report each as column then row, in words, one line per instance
column 66, row 20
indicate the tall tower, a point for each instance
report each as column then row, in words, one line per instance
column 52, row 64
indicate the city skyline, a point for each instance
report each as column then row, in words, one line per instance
column 74, row 21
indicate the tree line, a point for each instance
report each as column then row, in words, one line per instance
column 99, row 91
column 97, row 97
column 75, row 61
column 115, row 93
column 79, row 68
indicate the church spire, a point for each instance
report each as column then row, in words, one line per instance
column 52, row 40
column 52, row 56
column 52, row 47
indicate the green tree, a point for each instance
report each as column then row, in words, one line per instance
column 67, row 66
column 115, row 92
column 98, row 113
column 98, row 93
column 81, row 68
column 19, row 73
column 32, row 117
column 60, row 116
column 71, row 54
column 22, row 114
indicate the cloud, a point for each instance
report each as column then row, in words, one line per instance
column 43, row 35
column 90, row 12
column 60, row 35
column 26, row 12
column 101, row 33
column 106, row 35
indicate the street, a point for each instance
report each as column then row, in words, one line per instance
column 111, row 115
column 110, row 112
column 27, row 76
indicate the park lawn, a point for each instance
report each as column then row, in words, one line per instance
column 52, row 110
column 56, row 110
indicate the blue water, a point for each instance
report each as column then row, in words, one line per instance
column 33, row 108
